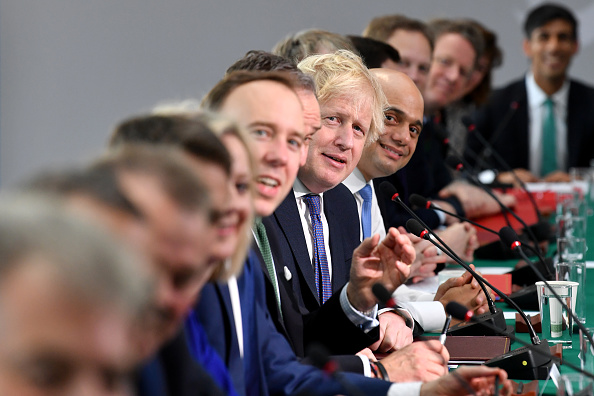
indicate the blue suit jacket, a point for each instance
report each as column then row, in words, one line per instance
column 269, row 366
column 307, row 322
column 511, row 139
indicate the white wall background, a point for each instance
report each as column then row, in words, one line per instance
column 71, row 69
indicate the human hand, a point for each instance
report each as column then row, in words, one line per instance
column 479, row 380
column 557, row 177
column 394, row 333
column 419, row 361
column 465, row 290
column 387, row 263
column 462, row 239
column 523, row 174
column 426, row 259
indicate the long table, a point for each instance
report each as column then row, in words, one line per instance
column 568, row 354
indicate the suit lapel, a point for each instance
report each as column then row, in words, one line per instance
column 575, row 126
column 287, row 216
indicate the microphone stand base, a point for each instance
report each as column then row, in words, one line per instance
column 524, row 363
column 494, row 325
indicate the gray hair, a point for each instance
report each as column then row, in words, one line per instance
column 85, row 260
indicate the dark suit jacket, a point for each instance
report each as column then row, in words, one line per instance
column 306, row 320
column 174, row 372
column 504, row 122
column 269, row 365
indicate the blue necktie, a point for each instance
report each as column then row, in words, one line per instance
column 366, row 194
column 549, row 139
column 321, row 271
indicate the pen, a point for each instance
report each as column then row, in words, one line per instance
column 442, row 336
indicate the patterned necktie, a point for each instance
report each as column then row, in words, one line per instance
column 366, row 194
column 549, row 139
column 320, row 260
column 267, row 255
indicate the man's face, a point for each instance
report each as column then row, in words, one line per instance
column 403, row 124
column 311, row 117
column 415, row 55
column 550, row 49
column 272, row 114
column 336, row 148
column 226, row 220
column 180, row 249
column 54, row 343
column 452, row 66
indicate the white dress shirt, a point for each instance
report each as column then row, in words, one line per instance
column 420, row 305
column 536, row 99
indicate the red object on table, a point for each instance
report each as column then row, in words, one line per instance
column 544, row 200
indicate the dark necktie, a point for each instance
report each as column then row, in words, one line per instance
column 549, row 139
column 320, row 261
column 366, row 194
column 267, row 255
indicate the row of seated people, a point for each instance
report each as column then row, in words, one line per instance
column 257, row 243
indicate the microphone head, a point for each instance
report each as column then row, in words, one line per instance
column 419, row 201
column 415, row 228
column 388, row 189
column 381, row 293
column 320, row 358
column 509, row 237
column 453, row 162
column 458, row 311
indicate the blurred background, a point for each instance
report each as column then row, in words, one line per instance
column 71, row 69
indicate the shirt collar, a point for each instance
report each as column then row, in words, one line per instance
column 355, row 181
column 299, row 189
column 536, row 96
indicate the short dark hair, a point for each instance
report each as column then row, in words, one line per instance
column 374, row 52
column 381, row 28
column 546, row 13
column 189, row 132
column 215, row 98
column 257, row 60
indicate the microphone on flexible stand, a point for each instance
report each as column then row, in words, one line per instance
column 456, row 164
column 420, row 202
column 467, row 121
column 522, row 363
column 510, row 238
column 494, row 315
column 496, row 318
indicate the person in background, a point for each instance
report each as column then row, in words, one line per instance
column 541, row 124
column 72, row 300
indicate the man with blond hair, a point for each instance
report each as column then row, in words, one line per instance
column 315, row 228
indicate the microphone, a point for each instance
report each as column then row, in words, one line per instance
column 383, row 295
column 457, row 164
column 467, row 121
column 422, row 202
column 521, row 363
column 321, row 359
column 496, row 318
column 510, row 238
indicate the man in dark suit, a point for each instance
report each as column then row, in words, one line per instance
column 542, row 124
column 351, row 103
column 260, row 360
